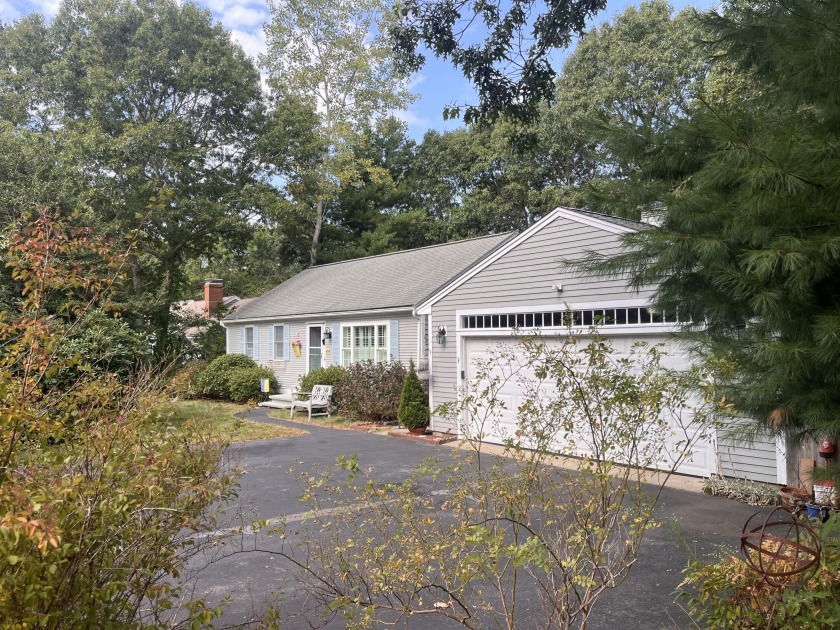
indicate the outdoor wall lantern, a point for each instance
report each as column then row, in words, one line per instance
column 441, row 335
column 327, row 337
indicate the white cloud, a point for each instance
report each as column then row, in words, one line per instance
column 8, row 13
column 48, row 7
column 243, row 16
column 411, row 118
column 416, row 79
column 252, row 43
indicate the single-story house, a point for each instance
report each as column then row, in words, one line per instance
column 479, row 292
column 345, row 312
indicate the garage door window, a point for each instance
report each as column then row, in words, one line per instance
column 624, row 316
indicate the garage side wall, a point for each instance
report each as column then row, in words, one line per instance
column 524, row 276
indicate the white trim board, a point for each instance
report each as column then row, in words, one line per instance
column 567, row 213
column 326, row 316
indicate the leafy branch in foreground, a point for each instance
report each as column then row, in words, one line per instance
column 467, row 540
column 99, row 495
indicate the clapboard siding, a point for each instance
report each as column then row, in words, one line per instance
column 754, row 459
column 288, row 373
column 524, row 276
column 408, row 340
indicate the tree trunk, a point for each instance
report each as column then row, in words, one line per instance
column 316, row 236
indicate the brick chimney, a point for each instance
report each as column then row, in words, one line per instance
column 214, row 293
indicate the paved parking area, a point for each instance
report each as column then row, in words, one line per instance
column 644, row 601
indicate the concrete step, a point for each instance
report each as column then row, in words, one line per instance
column 277, row 404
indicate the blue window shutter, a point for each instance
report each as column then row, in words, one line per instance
column 256, row 343
column 271, row 343
column 395, row 339
column 336, row 334
column 242, row 340
column 286, row 342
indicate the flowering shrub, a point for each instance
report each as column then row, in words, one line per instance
column 370, row 392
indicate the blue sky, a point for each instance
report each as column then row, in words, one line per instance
column 437, row 84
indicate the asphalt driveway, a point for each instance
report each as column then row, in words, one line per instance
column 269, row 490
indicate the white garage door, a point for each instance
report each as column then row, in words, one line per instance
column 513, row 392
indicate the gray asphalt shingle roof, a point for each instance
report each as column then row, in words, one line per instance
column 397, row 280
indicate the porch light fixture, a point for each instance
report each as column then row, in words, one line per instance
column 441, row 335
column 326, row 337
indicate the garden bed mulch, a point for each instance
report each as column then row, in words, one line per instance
column 429, row 438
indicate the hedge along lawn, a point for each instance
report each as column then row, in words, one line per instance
column 332, row 422
column 219, row 416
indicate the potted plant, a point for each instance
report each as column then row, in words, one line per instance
column 413, row 412
column 296, row 344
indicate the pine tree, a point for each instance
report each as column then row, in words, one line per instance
column 413, row 412
column 749, row 244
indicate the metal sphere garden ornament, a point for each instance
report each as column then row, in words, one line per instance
column 780, row 546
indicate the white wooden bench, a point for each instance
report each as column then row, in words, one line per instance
column 318, row 398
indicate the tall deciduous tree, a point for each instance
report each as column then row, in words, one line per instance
column 330, row 56
column 158, row 98
column 502, row 47
column 749, row 244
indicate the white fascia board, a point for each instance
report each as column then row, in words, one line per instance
column 425, row 307
column 324, row 316
column 586, row 219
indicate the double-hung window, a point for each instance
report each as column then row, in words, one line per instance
column 279, row 342
column 364, row 342
column 249, row 341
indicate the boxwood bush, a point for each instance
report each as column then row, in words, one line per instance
column 214, row 381
column 331, row 375
column 244, row 384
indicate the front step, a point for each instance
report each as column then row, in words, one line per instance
column 276, row 404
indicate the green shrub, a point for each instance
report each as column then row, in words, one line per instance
column 371, row 391
column 331, row 375
column 244, row 384
column 213, row 381
column 413, row 411
column 185, row 382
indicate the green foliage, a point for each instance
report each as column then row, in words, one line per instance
column 211, row 341
column 331, row 375
column 370, row 392
column 108, row 345
column 329, row 56
column 502, row 48
column 134, row 98
column 100, row 495
column 214, row 380
column 747, row 189
column 413, row 412
column 486, row 532
column 243, row 384
column 728, row 594
column 184, row 384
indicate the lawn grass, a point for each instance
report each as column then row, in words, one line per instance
column 332, row 422
column 219, row 417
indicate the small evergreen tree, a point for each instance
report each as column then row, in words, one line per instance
column 413, row 412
